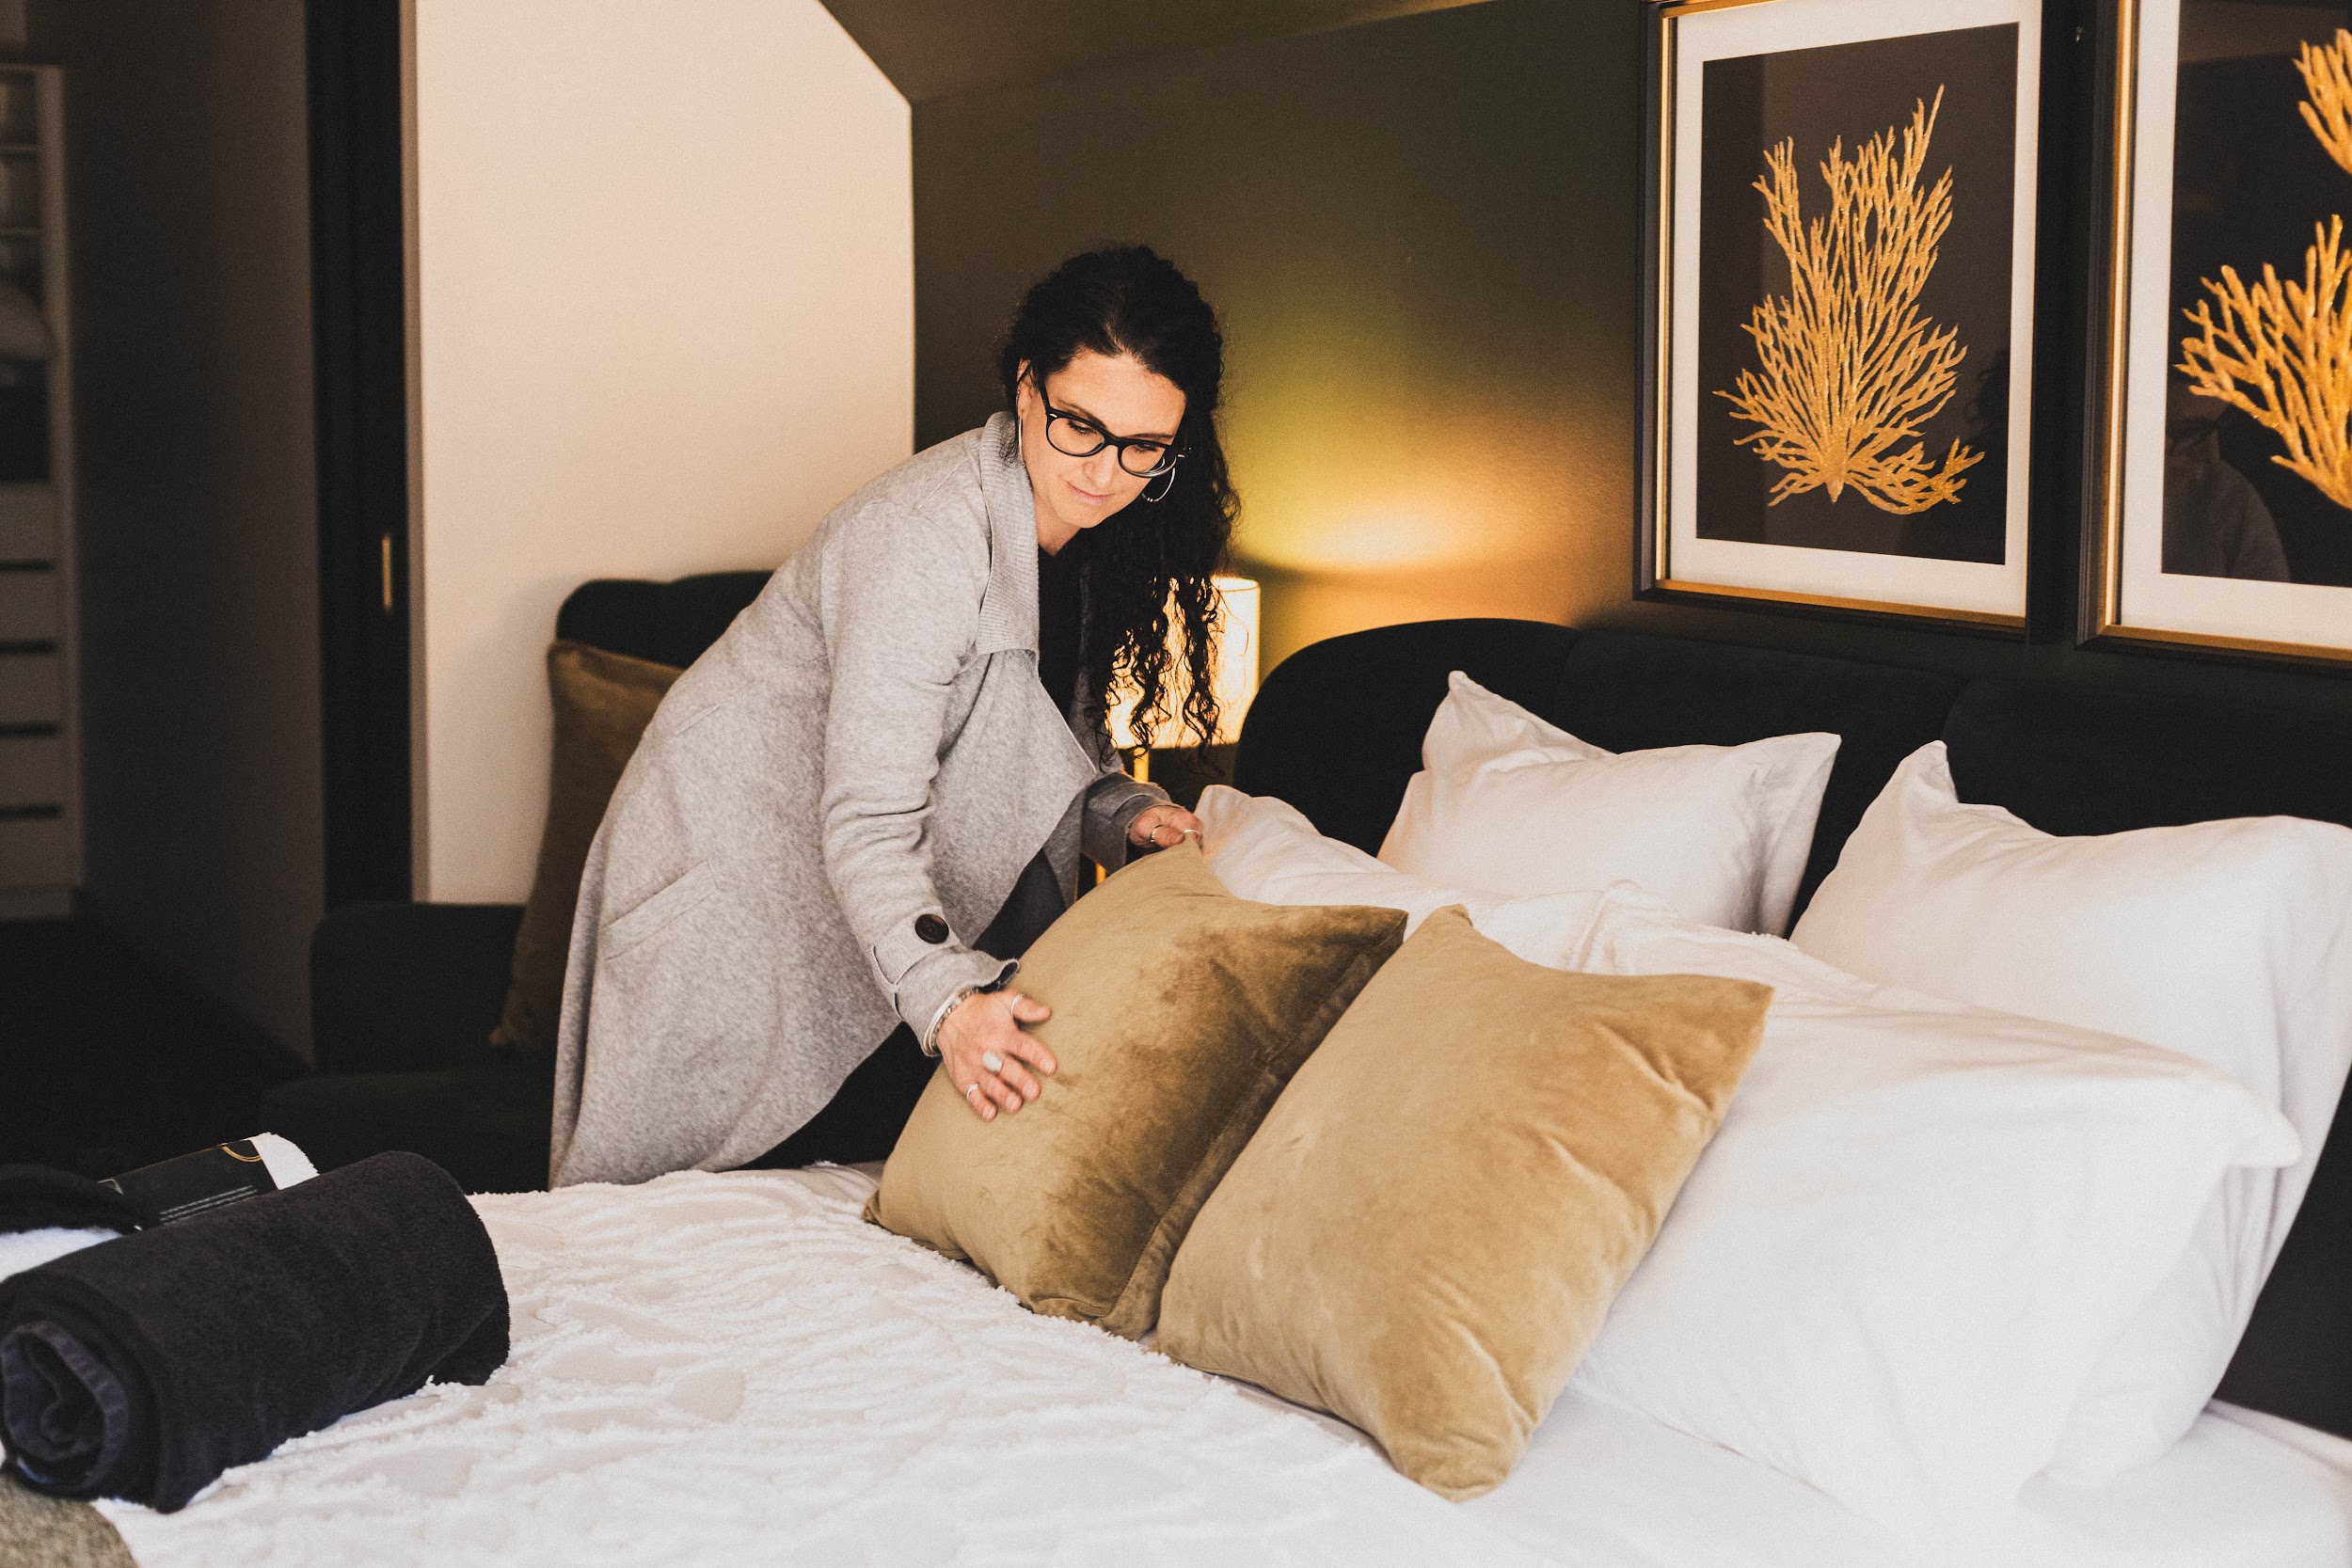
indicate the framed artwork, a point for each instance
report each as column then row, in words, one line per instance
column 1840, row 359
column 2220, row 511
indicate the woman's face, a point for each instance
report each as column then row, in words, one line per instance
column 1097, row 395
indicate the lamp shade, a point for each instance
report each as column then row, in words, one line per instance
column 1237, row 667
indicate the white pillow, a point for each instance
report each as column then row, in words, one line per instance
column 1507, row 803
column 2230, row 942
column 1263, row 849
column 1918, row 1227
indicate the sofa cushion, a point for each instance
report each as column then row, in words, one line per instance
column 486, row 1123
column 407, row 984
column 603, row 702
column 666, row 623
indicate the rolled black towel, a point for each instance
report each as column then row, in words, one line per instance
column 145, row 1368
column 35, row 1197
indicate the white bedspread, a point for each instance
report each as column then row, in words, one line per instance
column 735, row 1369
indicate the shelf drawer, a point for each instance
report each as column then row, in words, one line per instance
column 32, row 690
column 28, row 606
column 20, row 190
column 19, row 110
column 38, row 852
column 32, row 771
column 28, row 522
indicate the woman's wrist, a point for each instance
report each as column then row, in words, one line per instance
column 926, row 992
column 955, row 999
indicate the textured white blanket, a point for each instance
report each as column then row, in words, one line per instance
column 735, row 1369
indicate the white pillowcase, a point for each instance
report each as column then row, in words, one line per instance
column 1263, row 849
column 2230, row 942
column 1507, row 803
column 1918, row 1227
column 29, row 1249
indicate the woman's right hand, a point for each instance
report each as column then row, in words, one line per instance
column 984, row 1027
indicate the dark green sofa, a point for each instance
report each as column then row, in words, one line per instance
column 404, row 996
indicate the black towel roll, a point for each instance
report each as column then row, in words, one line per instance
column 143, row 1368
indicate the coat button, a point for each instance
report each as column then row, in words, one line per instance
column 930, row 928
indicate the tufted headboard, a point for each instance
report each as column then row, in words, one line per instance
column 1369, row 696
column 1336, row 730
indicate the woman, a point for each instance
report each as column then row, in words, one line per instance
column 856, row 811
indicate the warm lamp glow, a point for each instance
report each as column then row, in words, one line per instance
column 1236, row 666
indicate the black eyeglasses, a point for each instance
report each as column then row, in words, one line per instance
column 1073, row 435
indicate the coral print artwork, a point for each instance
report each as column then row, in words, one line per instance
column 1841, row 310
column 1854, row 297
column 1849, row 368
column 2220, row 406
column 2279, row 350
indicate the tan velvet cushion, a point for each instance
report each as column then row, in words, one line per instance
column 603, row 702
column 1179, row 1012
column 1429, row 1226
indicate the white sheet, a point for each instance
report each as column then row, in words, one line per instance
column 2242, row 1489
column 735, row 1369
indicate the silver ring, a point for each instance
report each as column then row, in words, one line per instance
column 992, row 1061
column 972, row 1088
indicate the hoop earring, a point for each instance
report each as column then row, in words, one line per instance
column 1166, row 486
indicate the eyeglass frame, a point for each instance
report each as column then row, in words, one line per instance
column 1175, row 453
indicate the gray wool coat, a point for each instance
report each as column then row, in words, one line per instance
column 867, row 746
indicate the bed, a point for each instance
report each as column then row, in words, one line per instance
column 736, row 1368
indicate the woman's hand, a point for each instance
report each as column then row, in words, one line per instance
column 985, row 1029
column 1163, row 827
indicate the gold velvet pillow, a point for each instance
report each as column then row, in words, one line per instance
column 1428, row 1228
column 1179, row 1012
column 603, row 702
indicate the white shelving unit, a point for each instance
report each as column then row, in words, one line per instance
column 41, row 743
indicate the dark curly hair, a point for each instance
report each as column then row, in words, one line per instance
column 1127, row 300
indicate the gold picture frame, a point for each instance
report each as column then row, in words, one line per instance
column 1837, row 402
column 2217, row 512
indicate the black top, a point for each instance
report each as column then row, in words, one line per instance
column 1057, row 577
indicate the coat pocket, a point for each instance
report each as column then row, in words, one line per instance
column 652, row 913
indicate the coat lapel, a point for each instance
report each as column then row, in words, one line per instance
column 1009, row 604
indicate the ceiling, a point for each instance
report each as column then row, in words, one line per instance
column 937, row 48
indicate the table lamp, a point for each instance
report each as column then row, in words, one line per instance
column 1235, row 662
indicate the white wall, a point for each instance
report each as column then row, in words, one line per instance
column 664, row 321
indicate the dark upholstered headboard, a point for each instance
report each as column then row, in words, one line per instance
column 1368, row 697
column 1336, row 730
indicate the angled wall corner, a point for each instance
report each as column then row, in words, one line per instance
column 933, row 50
column 664, row 320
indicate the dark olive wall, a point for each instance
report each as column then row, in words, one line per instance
column 1424, row 236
